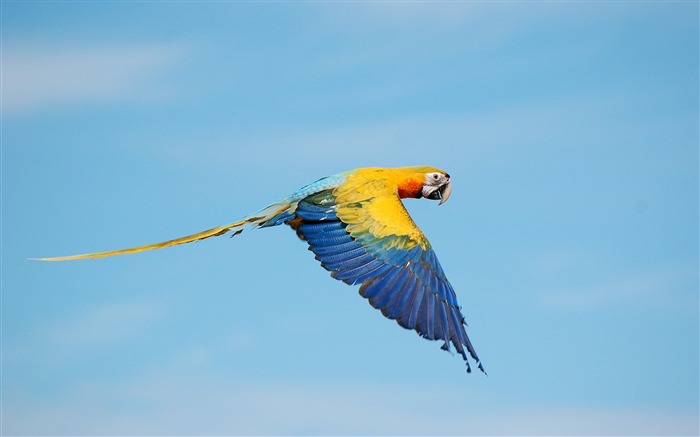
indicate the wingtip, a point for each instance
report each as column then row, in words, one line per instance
column 479, row 366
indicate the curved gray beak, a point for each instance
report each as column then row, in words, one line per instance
column 445, row 192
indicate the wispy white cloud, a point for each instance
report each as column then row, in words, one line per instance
column 102, row 325
column 173, row 401
column 673, row 288
column 435, row 17
column 39, row 76
column 189, row 394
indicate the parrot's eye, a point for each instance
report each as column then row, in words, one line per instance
column 433, row 176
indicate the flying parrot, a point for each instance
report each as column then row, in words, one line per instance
column 358, row 228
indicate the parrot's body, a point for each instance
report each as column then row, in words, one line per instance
column 358, row 228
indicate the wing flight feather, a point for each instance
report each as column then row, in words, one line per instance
column 392, row 260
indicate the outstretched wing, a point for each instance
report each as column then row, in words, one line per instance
column 364, row 235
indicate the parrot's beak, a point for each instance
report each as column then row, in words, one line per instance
column 445, row 191
column 437, row 188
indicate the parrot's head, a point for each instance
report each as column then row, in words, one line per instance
column 437, row 186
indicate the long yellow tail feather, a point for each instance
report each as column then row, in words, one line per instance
column 188, row 239
column 237, row 227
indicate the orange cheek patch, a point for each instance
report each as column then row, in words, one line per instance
column 410, row 188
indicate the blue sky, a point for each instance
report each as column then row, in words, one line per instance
column 570, row 131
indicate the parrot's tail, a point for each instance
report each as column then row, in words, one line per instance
column 273, row 215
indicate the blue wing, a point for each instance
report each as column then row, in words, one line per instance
column 408, row 286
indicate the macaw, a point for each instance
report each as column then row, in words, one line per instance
column 358, row 228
